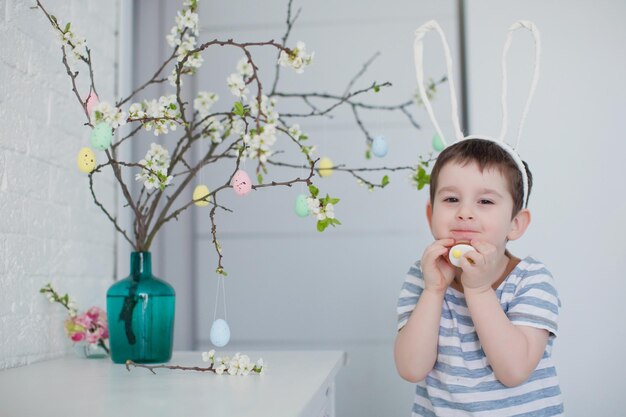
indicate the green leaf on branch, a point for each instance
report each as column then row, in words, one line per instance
column 385, row 181
column 239, row 109
column 376, row 87
column 314, row 191
column 67, row 27
column 260, row 178
column 368, row 154
column 221, row 271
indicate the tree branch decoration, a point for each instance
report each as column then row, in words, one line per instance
column 237, row 365
column 244, row 128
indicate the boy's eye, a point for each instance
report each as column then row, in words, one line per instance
column 483, row 201
column 451, row 200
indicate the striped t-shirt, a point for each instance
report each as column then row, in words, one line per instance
column 461, row 382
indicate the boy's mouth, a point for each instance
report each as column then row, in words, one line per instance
column 464, row 234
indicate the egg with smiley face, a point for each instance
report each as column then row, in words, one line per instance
column 241, row 182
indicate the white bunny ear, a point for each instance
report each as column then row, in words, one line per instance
column 522, row 24
column 419, row 69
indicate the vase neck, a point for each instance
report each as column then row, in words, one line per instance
column 140, row 264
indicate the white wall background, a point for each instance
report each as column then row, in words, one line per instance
column 574, row 144
column 50, row 229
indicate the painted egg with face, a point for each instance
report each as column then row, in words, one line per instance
column 457, row 252
column 220, row 333
column 101, row 136
column 302, row 207
column 91, row 102
column 438, row 143
column 325, row 167
column 86, row 160
column 241, row 182
column 201, row 191
column 379, row 146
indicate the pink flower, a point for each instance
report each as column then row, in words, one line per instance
column 77, row 337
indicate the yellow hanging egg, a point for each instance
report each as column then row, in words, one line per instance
column 199, row 192
column 325, row 167
column 86, row 160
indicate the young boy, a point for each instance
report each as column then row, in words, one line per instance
column 477, row 339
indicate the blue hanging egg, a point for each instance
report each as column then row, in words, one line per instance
column 438, row 143
column 301, row 208
column 379, row 146
column 101, row 136
column 220, row 333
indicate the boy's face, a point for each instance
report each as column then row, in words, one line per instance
column 470, row 204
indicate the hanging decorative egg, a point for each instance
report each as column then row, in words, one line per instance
column 91, row 102
column 101, row 136
column 301, row 208
column 199, row 192
column 86, row 160
column 220, row 333
column 325, row 167
column 379, row 146
column 241, row 182
column 438, row 143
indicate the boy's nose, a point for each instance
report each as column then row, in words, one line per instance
column 464, row 214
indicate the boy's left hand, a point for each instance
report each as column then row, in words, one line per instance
column 483, row 270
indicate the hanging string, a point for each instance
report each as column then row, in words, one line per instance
column 220, row 283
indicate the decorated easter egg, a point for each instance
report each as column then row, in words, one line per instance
column 91, row 102
column 325, row 167
column 220, row 333
column 301, row 208
column 86, row 160
column 241, row 182
column 379, row 146
column 457, row 252
column 438, row 143
column 101, row 136
column 199, row 192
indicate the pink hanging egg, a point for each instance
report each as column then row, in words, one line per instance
column 241, row 183
column 92, row 101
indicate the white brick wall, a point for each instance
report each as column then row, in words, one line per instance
column 50, row 229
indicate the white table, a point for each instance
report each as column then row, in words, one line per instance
column 297, row 383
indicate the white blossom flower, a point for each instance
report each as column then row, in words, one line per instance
column 267, row 108
column 298, row 59
column 187, row 19
column 329, row 209
column 237, row 85
column 208, row 356
column 295, row 131
column 203, row 103
column 164, row 110
column 156, row 164
column 244, row 68
column 220, row 369
column 104, row 112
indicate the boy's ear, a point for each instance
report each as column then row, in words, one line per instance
column 519, row 224
column 429, row 214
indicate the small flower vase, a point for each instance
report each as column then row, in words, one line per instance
column 140, row 312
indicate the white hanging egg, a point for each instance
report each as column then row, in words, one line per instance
column 220, row 333
column 379, row 146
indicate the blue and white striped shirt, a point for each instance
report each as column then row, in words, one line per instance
column 462, row 383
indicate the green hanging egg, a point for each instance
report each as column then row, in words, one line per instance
column 438, row 143
column 301, row 207
column 101, row 136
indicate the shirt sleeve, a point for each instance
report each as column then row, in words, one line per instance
column 410, row 293
column 536, row 302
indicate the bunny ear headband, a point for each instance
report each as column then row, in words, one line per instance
column 419, row 67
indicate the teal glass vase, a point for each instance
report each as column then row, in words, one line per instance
column 140, row 312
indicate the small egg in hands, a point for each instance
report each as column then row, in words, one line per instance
column 457, row 252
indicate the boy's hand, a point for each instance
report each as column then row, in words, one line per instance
column 438, row 273
column 483, row 270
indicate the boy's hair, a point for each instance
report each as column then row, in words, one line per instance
column 486, row 154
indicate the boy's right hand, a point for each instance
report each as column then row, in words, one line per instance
column 438, row 272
